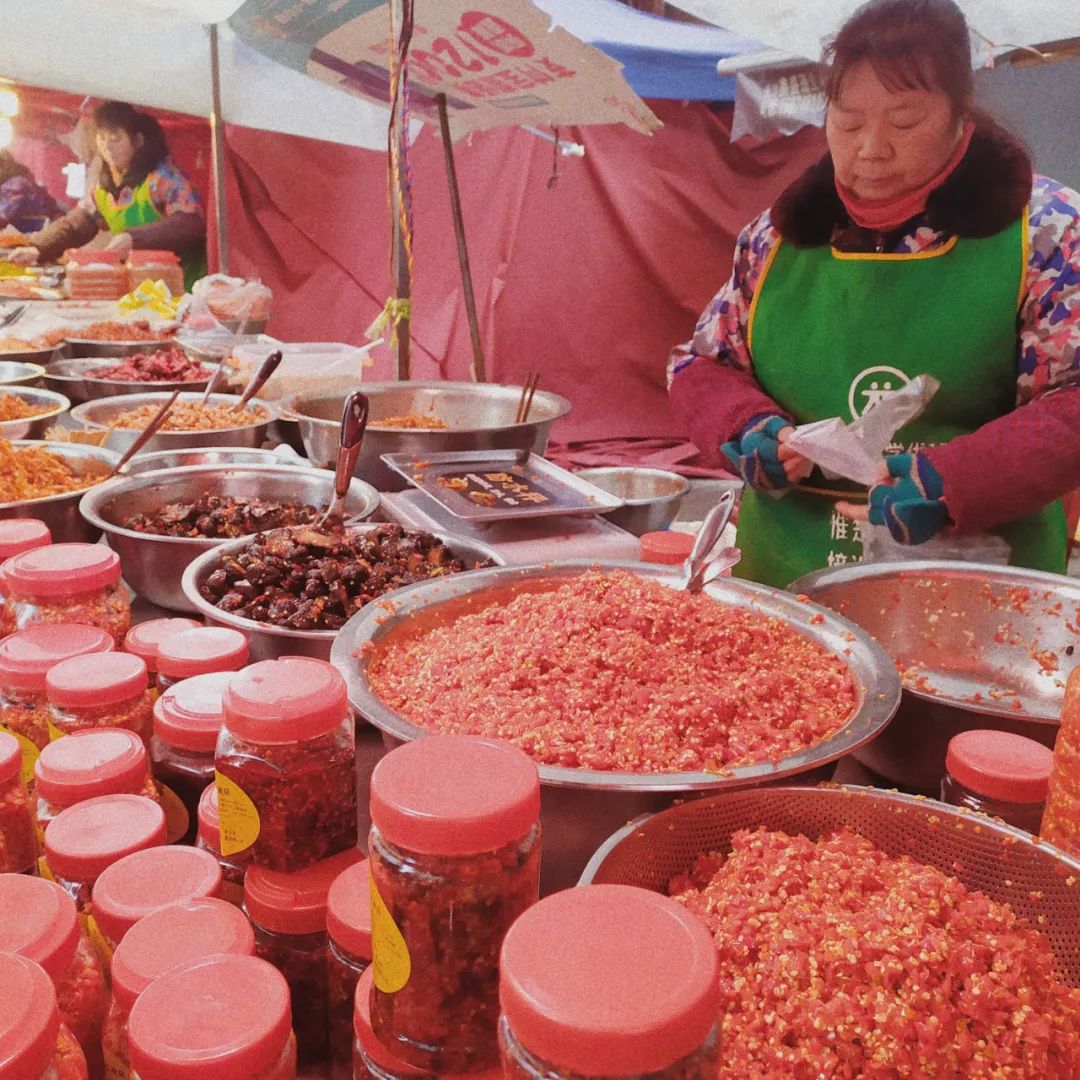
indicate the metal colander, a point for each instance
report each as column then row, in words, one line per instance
column 1007, row 864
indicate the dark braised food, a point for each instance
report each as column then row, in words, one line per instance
column 222, row 517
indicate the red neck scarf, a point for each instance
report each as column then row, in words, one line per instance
column 891, row 214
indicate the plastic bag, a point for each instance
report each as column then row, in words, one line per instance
column 222, row 309
column 879, row 546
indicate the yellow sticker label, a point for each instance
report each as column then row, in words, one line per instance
column 54, row 732
column 29, row 756
column 390, row 954
column 177, row 818
column 116, row 1068
column 99, row 941
column 239, row 816
column 45, row 870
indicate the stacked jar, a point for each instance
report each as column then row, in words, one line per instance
column 16, row 536
column 209, row 839
column 144, row 638
column 199, row 652
column 95, row 274
column 18, row 834
column 348, row 927
column 88, row 692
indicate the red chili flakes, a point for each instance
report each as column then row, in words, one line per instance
column 839, row 961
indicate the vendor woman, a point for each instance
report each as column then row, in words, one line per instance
column 141, row 197
column 920, row 243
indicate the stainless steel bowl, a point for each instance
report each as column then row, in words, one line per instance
column 97, row 415
column 154, row 565
column 20, row 372
column 207, row 455
column 581, row 807
column 269, row 642
column 72, row 377
column 480, row 415
column 958, row 630
column 651, row 497
column 75, row 347
column 41, row 357
column 33, row 427
column 61, row 512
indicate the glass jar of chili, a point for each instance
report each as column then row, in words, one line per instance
column 288, row 914
column 1000, row 774
column 199, row 652
column 25, row 660
column 99, row 691
column 286, row 764
column 144, row 638
column 348, row 925
column 209, row 839
column 233, row 1023
column 16, row 536
column 160, row 942
column 455, row 859
column 67, row 583
column 609, row 980
column 34, row 1044
column 18, row 835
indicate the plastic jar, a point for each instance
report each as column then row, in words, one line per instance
column 199, row 652
column 286, row 764
column 234, row 1023
column 288, row 914
column 18, row 835
column 455, row 859
column 97, row 274
column 669, row 547
column 99, row 691
column 144, row 638
column 1000, row 774
column 609, row 980
column 16, row 536
column 348, row 926
column 25, row 660
column 209, row 839
column 163, row 941
column 67, row 583
column 148, row 265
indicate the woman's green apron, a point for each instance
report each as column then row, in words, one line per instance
column 830, row 331
column 142, row 211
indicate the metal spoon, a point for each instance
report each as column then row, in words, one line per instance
column 145, row 435
column 12, row 316
column 712, row 527
column 354, row 418
column 266, row 369
column 214, row 382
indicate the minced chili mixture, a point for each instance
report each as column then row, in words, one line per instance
column 839, row 961
column 618, row 672
column 32, row 472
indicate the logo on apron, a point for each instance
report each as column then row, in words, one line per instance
column 871, row 385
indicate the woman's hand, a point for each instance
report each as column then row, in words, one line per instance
column 796, row 467
column 121, row 243
column 23, row 256
column 907, row 499
column 761, row 458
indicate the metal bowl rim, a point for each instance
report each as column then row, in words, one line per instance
column 43, row 353
column 271, row 458
column 133, row 401
column 36, row 371
column 150, row 344
column 653, row 500
column 109, row 457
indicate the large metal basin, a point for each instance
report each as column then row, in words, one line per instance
column 33, row 427
column 76, row 347
column 222, row 456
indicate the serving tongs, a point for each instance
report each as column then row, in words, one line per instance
column 354, row 418
column 145, row 435
column 699, row 566
column 258, row 380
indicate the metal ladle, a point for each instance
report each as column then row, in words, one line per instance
column 698, row 563
column 354, row 418
column 258, row 380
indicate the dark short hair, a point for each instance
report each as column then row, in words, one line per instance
column 120, row 116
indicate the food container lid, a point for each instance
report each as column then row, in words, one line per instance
column 93, row 257
column 27, row 656
column 105, row 679
column 143, row 640
column 234, row 1021
column 294, row 903
column 10, row 757
column 84, row 839
column 287, row 700
column 60, row 570
column 147, row 880
column 210, row 818
column 189, row 714
column 669, row 547
column 609, row 980
column 348, row 910
column 97, row 761
column 1000, row 765
column 147, row 257
column 22, row 534
column 29, row 1019
column 174, row 936
column 454, row 795
column 374, row 1050
column 201, row 651
column 40, row 922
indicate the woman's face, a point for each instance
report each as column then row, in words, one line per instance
column 885, row 143
column 117, row 147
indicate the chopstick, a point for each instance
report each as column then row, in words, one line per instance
column 146, row 435
column 532, row 380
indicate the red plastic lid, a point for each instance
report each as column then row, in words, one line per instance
column 98, row 761
column 148, row 257
column 94, row 255
column 22, row 534
column 210, row 818
column 81, row 841
column 294, row 903
column 669, row 547
column 220, row 1018
column 609, row 980
column 147, row 880
column 29, row 1019
column 61, row 570
column 143, row 640
column 201, row 651
column 107, row 679
column 454, row 795
column 174, row 936
column 40, row 922
column 1000, row 765
column 189, row 714
column 10, row 757
column 348, row 910
column 287, row 700
column 26, row 656
column 365, row 1035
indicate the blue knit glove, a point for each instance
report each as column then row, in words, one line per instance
column 911, row 506
column 754, row 453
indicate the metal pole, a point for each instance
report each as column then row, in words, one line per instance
column 217, row 155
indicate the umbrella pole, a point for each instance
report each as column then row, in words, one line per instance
column 217, row 155
column 477, row 370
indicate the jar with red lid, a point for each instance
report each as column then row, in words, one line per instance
column 18, row 835
column 16, row 536
column 201, row 651
column 34, row 1044
column 455, row 858
column 67, row 583
column 609, row 980
column 999, row 774
column 144, row 638
column 669, row 547
column 163, row 941
column 25, row 660
column 148, row 265
column 209, row 839
column 41, row 923
column 88, row 692
column 286, row 764
column 233, row 1023
column 348, row 954
column 288, row 914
